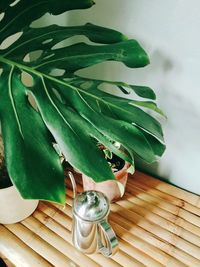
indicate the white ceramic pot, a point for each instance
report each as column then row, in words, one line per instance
column 13, row 208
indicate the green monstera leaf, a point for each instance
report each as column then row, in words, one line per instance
column 71, row 110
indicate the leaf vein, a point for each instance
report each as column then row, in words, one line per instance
column 12, row 100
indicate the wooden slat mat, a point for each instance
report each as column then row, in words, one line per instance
column 157, row 225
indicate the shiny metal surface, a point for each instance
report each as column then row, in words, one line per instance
column 91, row 205
column 107, row 243
column 91, row 232
column 73, row 182
column 85, row 236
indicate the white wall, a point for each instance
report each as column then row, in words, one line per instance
column 169, row 31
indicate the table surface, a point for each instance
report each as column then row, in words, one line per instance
column 157, row 224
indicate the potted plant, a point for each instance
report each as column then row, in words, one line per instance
column 113, row 189
column 13, row 207
column 70, row 110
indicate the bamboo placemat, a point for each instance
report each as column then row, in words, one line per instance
column 157, row 225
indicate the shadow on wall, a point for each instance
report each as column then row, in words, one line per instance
column 160, row 67
column 152, row 169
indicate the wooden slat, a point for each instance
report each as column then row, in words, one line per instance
column 7, row 262
column 156, row 223
column 57, row 242
column 40, row 246
column 18, row 252
column 165, row 196
column 176, row 210
column 167, row 188
column 168, row 216
column 151, row 244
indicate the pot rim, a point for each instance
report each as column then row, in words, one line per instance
column 126, row 166
column 6, row 188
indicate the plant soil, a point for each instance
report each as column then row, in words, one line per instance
column 4, row 178
column 116, row 163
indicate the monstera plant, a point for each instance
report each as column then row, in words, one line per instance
column 71, row 111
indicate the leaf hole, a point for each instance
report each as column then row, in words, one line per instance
column 87, row 85
column 47, row 41
column 58, row 95
column 2, row 16
column 15, row 3
column 34, row 55
column 70, row 41
column 26, row 58
column 57, row 72
column 49, row 56
column 108, row 88
column 27, row 79
column 32, row 101
column 1, row 71
column 42, row 21
column 10, row 40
